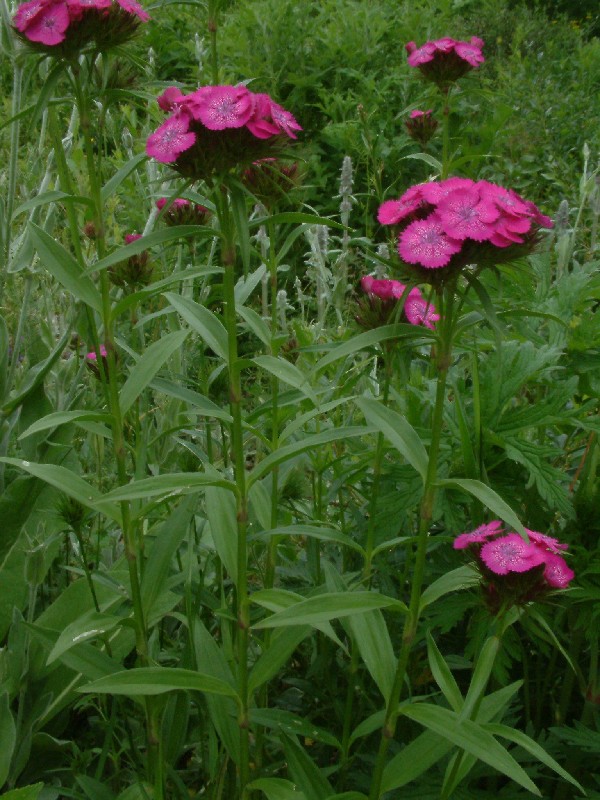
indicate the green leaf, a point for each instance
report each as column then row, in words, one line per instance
column 524, row 741
column 145, row 681
column 308, row 443
column 50, row 197
column 325, row 607
column 348, row 796
column 199, row 403
column 289, row 723
column 204, row 322
column 172, row 484
column 82, row 658
column 255, row 323
column 443, row 676
column 88, row 626
column 149, row 240
column 221, row 513
column 64, row 418
column 8, row 734
column 370, row 338
column 276, row 789
column 398, row 431
column 295, row 218
column 481, row 676
column 93, row 789
column 488, row 497
column 276, row 655
column 131, row 300
column 111, row 186
column 374, row 644
column 4, row 348
column 240, row 215
column 455, row 580
column 24, row 793
column 471, row 737
column 65, row 268
column 148, row 365
column 314, row 532
column 288, row 373
column 412, row 761
column 433, row 162
column 70, row 483
column 304, row 771
column 36, row 375
column 161, row 551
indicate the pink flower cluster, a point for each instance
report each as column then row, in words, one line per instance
column 421, row 125
column 416, row 308
column 526, row 569
column 458, row 221
column 444, row 61
column 181, row 212
column 92, row 355
column 54, row 22
column 238, row 117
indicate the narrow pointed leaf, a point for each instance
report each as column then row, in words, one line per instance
column 276, row 789
column 203, row 321
column 325, row 607
column 398, row 431
column 443, row 676
column 472, row 738
column 68, row 482
column 157, row 680
column 65, row 268
column 64, row 418
column 460, row 578
column 488, row 497
column 288, row 373
column 175, row 483
column 305, row 773
column 148, row 366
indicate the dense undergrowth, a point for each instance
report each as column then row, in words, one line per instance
column 236, row 448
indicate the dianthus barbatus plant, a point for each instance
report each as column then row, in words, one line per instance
column 513, row 571
column 65, row 27
column 218, row 128
column 381, row 302
column 444, row 226
column 444, row 61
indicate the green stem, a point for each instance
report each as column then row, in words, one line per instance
column 228, row 257
column 370, row 543
column 446, row 328
column 13, row 168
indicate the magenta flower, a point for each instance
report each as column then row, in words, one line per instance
column 421, row 126
column 557, row 574
column 93, row 356
column 384, row 288
column 465, row 216
column 231, row 125
column 510, row 554
column 49, row 25
column 418, row 311
column 445, row 60
column 515, row 572
column 426, row 243
column 456, row 222
column 221, row 107
column 182, row 212
column 64, row 27
column 171, row 139
column 134, row 8
column 479, row 535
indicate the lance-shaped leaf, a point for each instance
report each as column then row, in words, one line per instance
column 488, row 497
column 398, row 431
column 325, row 607
column 203, row 321
column 64, row 418
column 471, row 737
column 88, row 626
column 370, row 338
column 158, row 680
column 147, row 367
column 288, row 373
column 176, row 483
column 65, row 268
column 70, row 483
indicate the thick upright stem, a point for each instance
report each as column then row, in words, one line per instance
column 446, row 328
column 228, row 258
